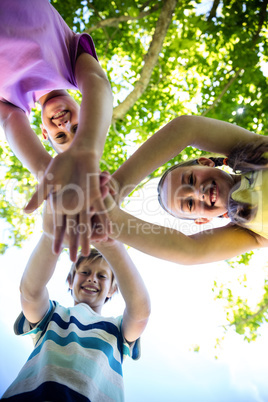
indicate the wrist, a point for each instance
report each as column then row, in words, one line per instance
column 84, row 142
column 42, row 166
column 111, row 249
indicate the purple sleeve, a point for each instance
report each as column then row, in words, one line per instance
column 86, row 42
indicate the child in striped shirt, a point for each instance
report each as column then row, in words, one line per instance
column 78, row 353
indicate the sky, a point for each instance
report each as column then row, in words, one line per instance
column 184, row 315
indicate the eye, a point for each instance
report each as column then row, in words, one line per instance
column 75, row 128
column 190, row 204
column 102, row 276
column 191, row 179
column 60, row 136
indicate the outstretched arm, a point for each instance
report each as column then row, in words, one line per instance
column 96, row 106
column 171, row 245
column 76, row 171
column 200, row 132
column 23, row 140
column 132, row 287
column 40, row 268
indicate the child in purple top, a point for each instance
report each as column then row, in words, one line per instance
column 40, row 58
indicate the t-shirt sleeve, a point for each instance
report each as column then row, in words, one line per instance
column 82, row 42
column 132, row 350
column 78, row 42
column 86, row 43
column 23, row 327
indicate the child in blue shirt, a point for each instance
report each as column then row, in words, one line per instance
column 78, row 353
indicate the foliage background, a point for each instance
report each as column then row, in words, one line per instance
column 164, row 59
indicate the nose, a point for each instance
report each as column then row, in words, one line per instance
column 64, row 123
column 92, row 278
column 197, row 193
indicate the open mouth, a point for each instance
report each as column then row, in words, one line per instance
column 90, row 289
column 59, row 114
column 213, row 193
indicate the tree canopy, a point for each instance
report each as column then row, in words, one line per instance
column 164, row 58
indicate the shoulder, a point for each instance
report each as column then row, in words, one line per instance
column 6, row 108
column 262, row 241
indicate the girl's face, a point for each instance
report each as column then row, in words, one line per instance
column 60, row 121
column 198, row 191
column 92, row 284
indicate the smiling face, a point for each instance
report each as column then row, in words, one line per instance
column 92, row 283
column 60, row 116
column 198, row 191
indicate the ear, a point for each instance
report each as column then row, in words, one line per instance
column 44, row 132
column 205, row 162
column 69, row 282
column 112, row 290
column 202, row 221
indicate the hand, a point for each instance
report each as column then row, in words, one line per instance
column 98, row 234
column 72, row 185
column 48, row 224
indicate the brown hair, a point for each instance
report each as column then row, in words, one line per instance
column 93, row 256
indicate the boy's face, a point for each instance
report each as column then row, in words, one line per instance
column 60, row 121
column 92, row 284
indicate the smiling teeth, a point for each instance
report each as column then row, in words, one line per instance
column 59, row 114
column 91, row 289
column 214, row 194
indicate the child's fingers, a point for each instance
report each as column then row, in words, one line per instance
column 59, row 222
column 38, row 197
column 85, row 232
column 104, row 191
column 73, row 233
column 104, row 177
column 102, row 213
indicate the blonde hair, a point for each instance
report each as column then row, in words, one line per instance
column 93, row 256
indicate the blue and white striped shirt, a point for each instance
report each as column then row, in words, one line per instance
column 78, row 356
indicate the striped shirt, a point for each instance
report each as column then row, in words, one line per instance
column 77, row 356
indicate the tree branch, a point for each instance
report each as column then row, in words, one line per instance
column 114, row 22
column 146, row 4
column 90, row 5
column 262, row 19
column 150, row 59
column 251, row 317
column 213, row 10
column 225, row 89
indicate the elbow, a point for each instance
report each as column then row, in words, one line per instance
column 184, row 123
column 106, row 83
column 100, row 80
column 147, row 309
column 8, row 117
column 27, row 293
column 183, row 119
column 142, row 311
column 192, row 258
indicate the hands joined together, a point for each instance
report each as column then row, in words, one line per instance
column 75, row 213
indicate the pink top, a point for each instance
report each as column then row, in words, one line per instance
column 37, row 51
